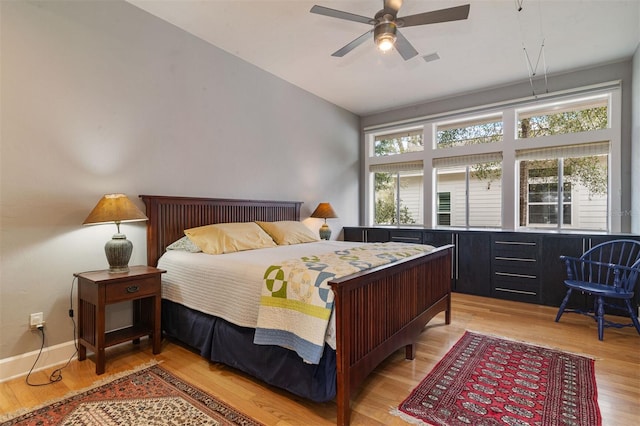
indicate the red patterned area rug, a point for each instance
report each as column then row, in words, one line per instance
column 151, row 396
column 485, row 380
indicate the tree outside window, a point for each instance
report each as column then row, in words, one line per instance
column 570, row 172
column 589, row 172
column 395, row 183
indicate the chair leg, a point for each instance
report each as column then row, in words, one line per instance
column 600, row 317
column 632, row 313
column 563, row 305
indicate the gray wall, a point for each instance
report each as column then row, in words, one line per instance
column 101, row 97
column 598, row 74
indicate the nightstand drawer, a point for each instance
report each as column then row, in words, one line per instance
column 132, row 289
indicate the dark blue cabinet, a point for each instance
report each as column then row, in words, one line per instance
column 514, row 265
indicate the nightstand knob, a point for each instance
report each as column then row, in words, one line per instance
column 132, row 289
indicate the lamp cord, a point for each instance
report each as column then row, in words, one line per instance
column 56, row 375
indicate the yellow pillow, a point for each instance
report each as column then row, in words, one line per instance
column 222, row 238
column 288, row 232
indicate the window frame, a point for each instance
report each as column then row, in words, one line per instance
column 560, row 203
column 397, row 176
column 508, row 146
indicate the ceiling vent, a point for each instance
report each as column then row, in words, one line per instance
column 431, row 57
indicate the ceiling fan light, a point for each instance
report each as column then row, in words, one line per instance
column 384, row 33
column 385, row 42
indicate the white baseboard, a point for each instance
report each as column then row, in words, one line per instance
column 19, row 365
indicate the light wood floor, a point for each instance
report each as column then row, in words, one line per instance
column 617, row 368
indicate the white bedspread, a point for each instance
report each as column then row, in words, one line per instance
column 229, row 285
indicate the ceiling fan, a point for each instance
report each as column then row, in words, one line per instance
column 386, row 23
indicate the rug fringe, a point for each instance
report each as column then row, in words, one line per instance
column 495, row 336
column 407, row 418
column 105, row 380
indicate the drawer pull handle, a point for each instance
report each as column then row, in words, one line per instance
column 515, row 259
column 508, row 274
column 133, row 289
column 516, row 243
column 510, row 290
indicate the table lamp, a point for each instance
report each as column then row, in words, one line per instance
column 116, row 208
column 324, row 211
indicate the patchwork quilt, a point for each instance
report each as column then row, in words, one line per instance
column 296, row 301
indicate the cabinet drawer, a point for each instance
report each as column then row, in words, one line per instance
column 515, row 249
column 374, row 235
column 516, row 265
column 519, row 296
column 437, row 238
column 515, row 281
column 516, row 287
column 515, row 255
column 407, row 236
column 354, row 234
column 128, row 290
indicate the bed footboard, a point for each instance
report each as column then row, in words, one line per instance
column 382, row 310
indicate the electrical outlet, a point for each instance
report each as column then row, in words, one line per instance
column 36, row 320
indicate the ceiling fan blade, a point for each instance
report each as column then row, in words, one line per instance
column 393, row 5
column 321, row 10
column 404, row 48
column 443, row 15
column 355, row 43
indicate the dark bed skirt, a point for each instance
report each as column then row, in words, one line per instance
column 220, row 341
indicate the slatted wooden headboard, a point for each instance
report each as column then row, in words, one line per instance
column 170, row 216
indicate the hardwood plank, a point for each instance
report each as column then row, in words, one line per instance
column 617, row 367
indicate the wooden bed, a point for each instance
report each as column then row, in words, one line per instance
column 377, row 311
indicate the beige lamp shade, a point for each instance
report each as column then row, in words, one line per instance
column 324, row 211
column 116, row 208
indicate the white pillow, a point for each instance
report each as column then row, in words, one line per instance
column 184, row 244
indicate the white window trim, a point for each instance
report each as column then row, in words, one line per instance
column 508, row 147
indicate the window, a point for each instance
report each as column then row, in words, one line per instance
column 547, row 162
column 398, row 143
column 398, row 196
column 473, row 131
column 475, row 182
column 543, row 204
column 580, row 115
column 581, row 171
column 443, row 208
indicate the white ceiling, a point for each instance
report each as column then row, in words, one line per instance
column 486, row 50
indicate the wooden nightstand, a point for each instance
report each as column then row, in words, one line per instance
column 97, row 289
